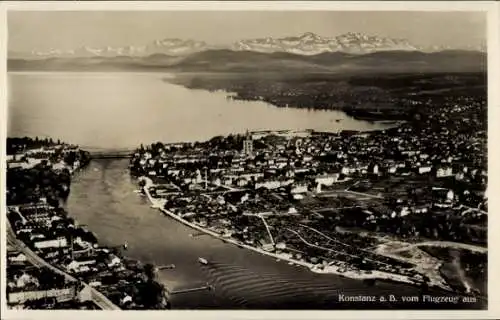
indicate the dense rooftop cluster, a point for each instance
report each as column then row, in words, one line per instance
column 41, row 169
column 31, row 287
column 293, row 193
column 43, row 231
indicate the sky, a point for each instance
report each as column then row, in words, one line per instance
column 43, row 30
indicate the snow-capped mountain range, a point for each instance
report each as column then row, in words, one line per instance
column 174, row 47
column 310, row 44
column 305, row 44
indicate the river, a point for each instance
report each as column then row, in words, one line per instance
column 103, row 197
column 117, row 110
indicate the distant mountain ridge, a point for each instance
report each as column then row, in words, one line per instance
column 306, row 44
column 225, row 60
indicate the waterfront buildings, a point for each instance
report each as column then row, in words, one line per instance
column 55, row 262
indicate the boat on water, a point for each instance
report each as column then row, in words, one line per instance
column 202, row 261
column 194, row 235
column 125, row 246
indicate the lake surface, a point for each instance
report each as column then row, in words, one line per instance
column 120, row 110
column 123, row 110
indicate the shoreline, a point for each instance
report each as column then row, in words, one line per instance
column 373, row 275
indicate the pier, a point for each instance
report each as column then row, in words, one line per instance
column 201, row 288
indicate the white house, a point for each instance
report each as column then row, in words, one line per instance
column 300, row 188
column 59, row 166
column 450, row 195
column 244, row 198
column 280, row 246
column 424, row 169
column 307, row 158
column 24, row 280
column 114, row 261
column 273, row 184
column 421, row 210
column 327, row 180
column 95, row 284
column 404, row 211
column 51, row 243
column 19, row 258
column 444, row 172
column 459, row 176
column 78, row 266
column 347, row 170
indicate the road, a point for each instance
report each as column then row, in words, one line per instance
column 98, row 298
column 332, row 250
column 444, row 244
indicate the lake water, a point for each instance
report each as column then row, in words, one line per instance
column 123, row 110
column 118, row 110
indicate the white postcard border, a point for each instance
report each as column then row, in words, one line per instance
column 492, row 9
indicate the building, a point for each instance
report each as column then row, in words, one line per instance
column 424, row 169
column 328, row 179
column 16, row 258
column 444, row 172
column 299, row 188
column 51, row 243
column 80, row 266
column 248, row 144
column 63, row 294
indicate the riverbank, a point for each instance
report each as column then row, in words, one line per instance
column 330, row 269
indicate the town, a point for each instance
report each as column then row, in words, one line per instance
column 406, row 204
column 367, row 205
column 52, row 261
column 381, row 97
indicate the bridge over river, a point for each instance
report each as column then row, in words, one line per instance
column 108, row 153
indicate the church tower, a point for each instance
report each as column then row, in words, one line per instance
column 248, row 144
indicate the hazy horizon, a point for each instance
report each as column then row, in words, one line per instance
column 45, row 30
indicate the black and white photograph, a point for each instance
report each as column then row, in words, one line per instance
column 233, row 159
